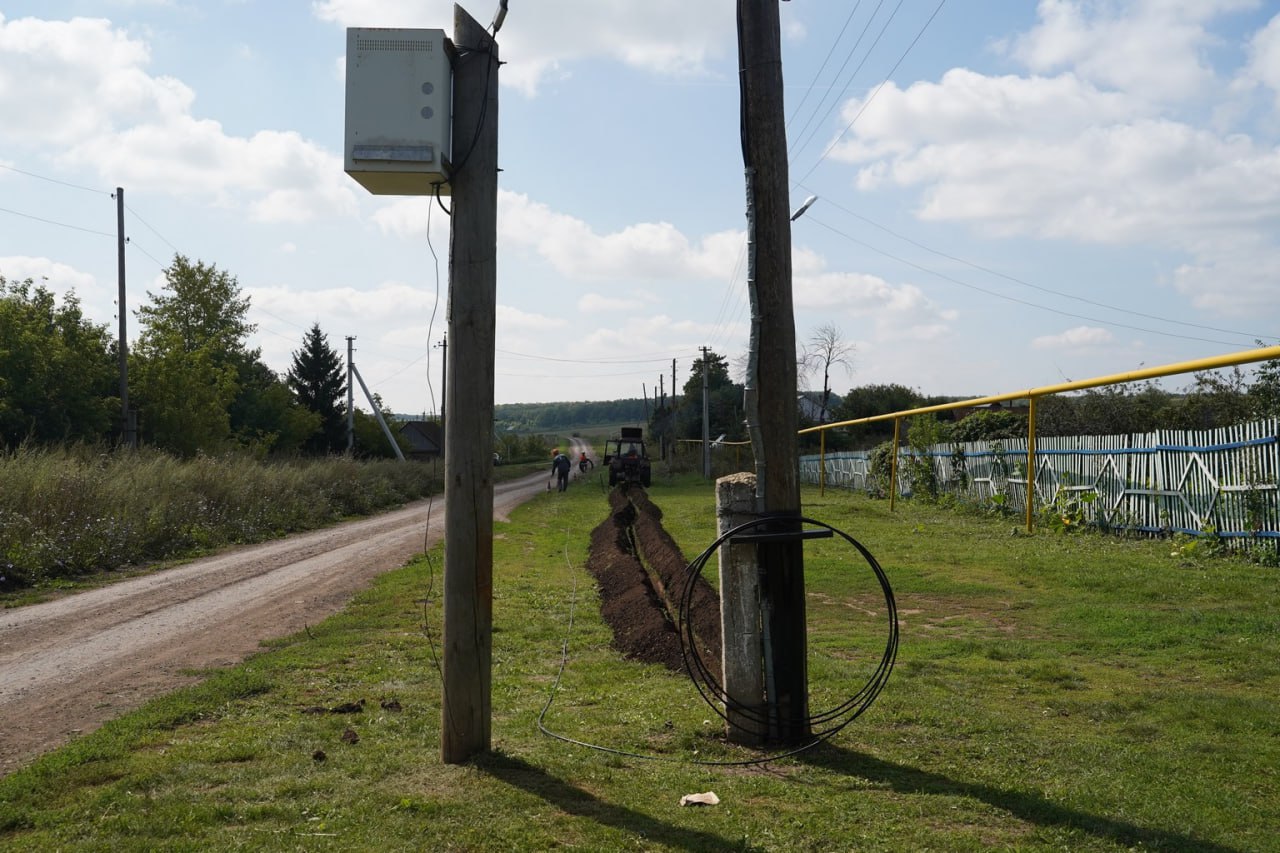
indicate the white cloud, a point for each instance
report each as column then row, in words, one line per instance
column 1080, row 336
column 1264, row 58
column 644, row 250
column 1060, row 158
column 1155, row 50
column 595, row 303
column 52, row 274
column 668, row 37
column 894, row 310
column 514, row 321
column 81, row 86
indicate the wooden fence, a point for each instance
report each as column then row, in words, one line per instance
column 1221, row 481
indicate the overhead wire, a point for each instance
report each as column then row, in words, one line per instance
column 1034, row 286
column 872, row 96
column 818, row 221
column 818, row 112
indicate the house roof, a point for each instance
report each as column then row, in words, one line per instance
column 423, row 436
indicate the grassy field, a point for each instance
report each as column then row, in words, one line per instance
column 1051, row 693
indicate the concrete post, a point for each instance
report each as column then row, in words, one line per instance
column 743, row 682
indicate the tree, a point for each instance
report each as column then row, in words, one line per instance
column 188, row 359
column 266, row 416
column 317, row 378
column 870, row 400
column 57, row 369
column 1264, row 393
column 825, row 349
column 724, row 401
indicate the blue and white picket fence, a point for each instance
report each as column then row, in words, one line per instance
column 1170, row 481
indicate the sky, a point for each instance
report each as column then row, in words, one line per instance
column 1010, row 194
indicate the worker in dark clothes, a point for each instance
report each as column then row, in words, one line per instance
column 561, row 465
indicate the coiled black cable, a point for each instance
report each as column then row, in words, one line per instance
column 824, row 725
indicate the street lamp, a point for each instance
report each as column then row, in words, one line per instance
column 808, row 202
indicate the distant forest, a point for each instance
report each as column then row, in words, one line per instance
column 552, row 417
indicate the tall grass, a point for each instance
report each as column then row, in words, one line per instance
column 69, row 512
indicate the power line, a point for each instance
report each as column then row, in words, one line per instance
column 152, row 229
column 55, row 222
column 872, row 97
column 1014, row 299
column 1038, row 287
column 800, row 146
column 54, row 180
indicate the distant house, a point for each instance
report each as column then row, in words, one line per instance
column 426, row 439
column 810, row 403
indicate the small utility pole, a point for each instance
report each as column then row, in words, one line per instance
column 351, row 401
column 468, row 459
column 444, row 378
column 128, row 432
column 706, row 418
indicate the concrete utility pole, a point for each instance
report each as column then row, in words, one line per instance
column 351, row 401
column 128, row 428
column 468, row 460
column 771, row 381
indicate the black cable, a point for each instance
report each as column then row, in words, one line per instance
column 834, row 719
column 838, row 717
column 487, row 50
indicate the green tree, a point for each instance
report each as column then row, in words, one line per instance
column 318, row 379
column 266, row 416
column 988, row 425
column 188, row 360
column 57, row 369
column 868, row 401
column 370, row 441
column 724, row 401
column 1264, row 393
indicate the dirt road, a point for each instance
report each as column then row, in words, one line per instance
column 69, row 665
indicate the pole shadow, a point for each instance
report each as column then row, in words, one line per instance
column 577, row 802
column 1032, row 808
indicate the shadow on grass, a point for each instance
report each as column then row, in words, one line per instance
column 1024, row 806
column 579, row 803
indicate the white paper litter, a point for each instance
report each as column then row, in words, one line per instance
column 707, row 798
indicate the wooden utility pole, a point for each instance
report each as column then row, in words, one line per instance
column 444, row 380
column 468, row 457
column 351, row 400
column 772, row 417
column 706, row 417
column 128, row 429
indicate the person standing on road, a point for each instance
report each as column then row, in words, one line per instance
column 561, row 465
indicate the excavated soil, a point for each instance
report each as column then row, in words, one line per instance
column 641, row 575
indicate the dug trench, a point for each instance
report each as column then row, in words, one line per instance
column 641, row 573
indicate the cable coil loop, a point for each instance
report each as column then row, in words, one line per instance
column 823, row 725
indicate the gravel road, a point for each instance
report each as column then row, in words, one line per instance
column 69, row 665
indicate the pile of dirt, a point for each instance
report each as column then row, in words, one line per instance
column 641, row 576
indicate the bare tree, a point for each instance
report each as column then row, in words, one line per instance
column 825, row 349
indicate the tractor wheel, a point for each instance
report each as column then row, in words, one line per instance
column 613, row 477
column 645, row 477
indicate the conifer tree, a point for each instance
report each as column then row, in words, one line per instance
column 318, row 379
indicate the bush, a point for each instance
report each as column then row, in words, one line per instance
column 70, row 512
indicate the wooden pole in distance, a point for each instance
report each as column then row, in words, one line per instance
column 468, row 456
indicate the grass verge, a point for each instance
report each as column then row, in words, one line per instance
column 1052, row 692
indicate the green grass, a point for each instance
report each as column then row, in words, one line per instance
column 1051, row 693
